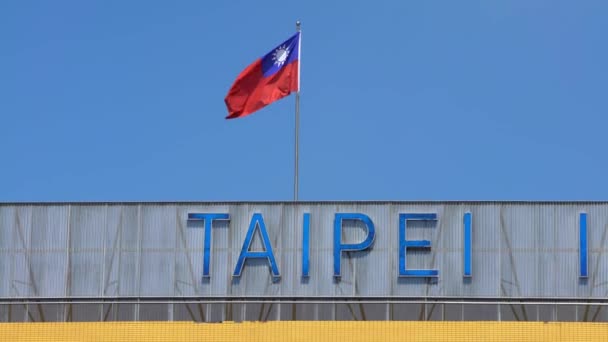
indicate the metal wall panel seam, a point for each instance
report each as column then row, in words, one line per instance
column 68, row 276
column 176, row 232
column 139, row 258
column 103, row 262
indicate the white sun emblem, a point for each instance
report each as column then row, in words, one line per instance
column 279, row 56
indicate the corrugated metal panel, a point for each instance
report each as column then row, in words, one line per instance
column 7, row 248
column 598, row 257
column 86, row 243
column 520, row 249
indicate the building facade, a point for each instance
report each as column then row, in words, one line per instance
column 261, row 261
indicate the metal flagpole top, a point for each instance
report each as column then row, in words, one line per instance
column 298, row 24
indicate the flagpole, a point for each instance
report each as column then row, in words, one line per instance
column 297, row 125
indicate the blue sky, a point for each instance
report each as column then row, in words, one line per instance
column 401, row 100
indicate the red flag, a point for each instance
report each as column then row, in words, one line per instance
column 266, row 80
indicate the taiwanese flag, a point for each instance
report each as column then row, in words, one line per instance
column 266, row 80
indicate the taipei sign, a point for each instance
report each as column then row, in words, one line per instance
column 258, row 226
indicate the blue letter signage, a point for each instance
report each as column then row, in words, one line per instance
column 468, row 240
column 306, row 245
column 257, row 220
column 208, row 218
column 405, row 244
column 339, row 247
column 287, row 245
column 582, row 240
